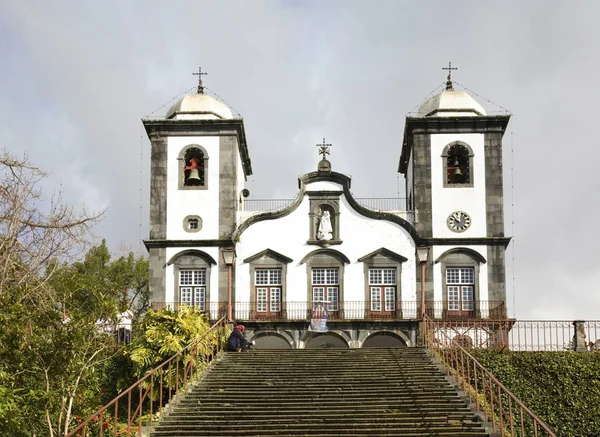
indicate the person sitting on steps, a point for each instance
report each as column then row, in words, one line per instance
column 237, row 342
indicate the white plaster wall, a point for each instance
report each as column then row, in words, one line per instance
column 181, row 203
column 482, row 285
column 444, row 201
column 360, row 235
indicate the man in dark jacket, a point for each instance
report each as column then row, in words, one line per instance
column 237, row 342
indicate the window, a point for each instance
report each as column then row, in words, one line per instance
column 193, row 166
column 460, row 284
column 268, row 291
column 325, row 287
column 457, row 168
column 193, row 224
column 382, row 286
column 458, row 165
column 192, row 288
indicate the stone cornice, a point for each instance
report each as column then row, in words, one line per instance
column 480, row 241
column 150, row 244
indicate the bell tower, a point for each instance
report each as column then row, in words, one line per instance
column 199, row 165
column 452, row 162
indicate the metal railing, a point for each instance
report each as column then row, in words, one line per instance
column 517, row 335
column 346, row 310
column 503, row 410
column 141, row 404
column 374, row 203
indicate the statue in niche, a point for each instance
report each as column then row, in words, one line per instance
column 325, row 231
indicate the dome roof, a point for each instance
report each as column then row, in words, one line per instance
column 450, row 103
column 198, row 107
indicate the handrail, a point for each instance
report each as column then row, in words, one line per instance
column 501, row 407
column 155, row 389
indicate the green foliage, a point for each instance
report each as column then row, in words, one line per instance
column 561, row 388
column 56, row 365
column 164, row 333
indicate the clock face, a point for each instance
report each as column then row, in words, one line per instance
column 459, row 221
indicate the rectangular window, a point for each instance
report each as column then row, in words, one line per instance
column 460, row 284
column 382, row 284
column 192, row 288
column 325, row 286
column 268, row 291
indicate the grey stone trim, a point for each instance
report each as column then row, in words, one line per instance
column 494, row 195
column 227, row 186
column 460, row 259
column 422, row 184
column 192, row 259
column 267, row 261
column 269, row 254
column 193, row 253
column 186, row 220
column 157, row 261
column 158, row 187
column 471, row 182
column 187, row 243
column 485, row 241
column 339, row 256
column 462, row 250
column 383, row 258
column 324, row 258
column 383, row 252
column 181, row 172
column 229, row 127
column 339, row 178
column 447, row 125
column 354, row 332
column 496, row 274
column 318, row 202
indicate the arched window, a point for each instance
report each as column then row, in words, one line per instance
column 193, row 164
column 192, row 279
column 325, row 269
column 268, row 272
column 458, row 165
column 460, row 280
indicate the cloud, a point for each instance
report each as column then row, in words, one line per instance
column 76, row 78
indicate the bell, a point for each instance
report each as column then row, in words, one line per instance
column 194, row 177
column 457, row 176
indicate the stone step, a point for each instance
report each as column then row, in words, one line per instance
column 322, row 393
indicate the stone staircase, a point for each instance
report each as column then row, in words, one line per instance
column 322, row 393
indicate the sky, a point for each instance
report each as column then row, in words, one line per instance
column 76, row 78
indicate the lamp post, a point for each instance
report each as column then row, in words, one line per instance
column 422, row 257
column 229, row 260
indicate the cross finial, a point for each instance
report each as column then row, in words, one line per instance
column 449, row 81
column 200, row 74
column 324, row 148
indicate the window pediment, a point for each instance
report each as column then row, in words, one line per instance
column 269, row 253
column 331, row 253
column 474, row 255
column 187, row 257
column 383, row 252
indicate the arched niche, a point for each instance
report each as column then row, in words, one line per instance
column 271, row 340
column 384, row 339
column 326, row 341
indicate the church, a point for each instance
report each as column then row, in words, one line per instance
column 326, row 269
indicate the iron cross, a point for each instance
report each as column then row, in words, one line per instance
column 200, row 74
column 324, row 148
column 449, row 68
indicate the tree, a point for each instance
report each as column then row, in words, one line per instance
column 51, row 350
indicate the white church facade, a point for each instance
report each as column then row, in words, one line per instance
column 370, row 268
